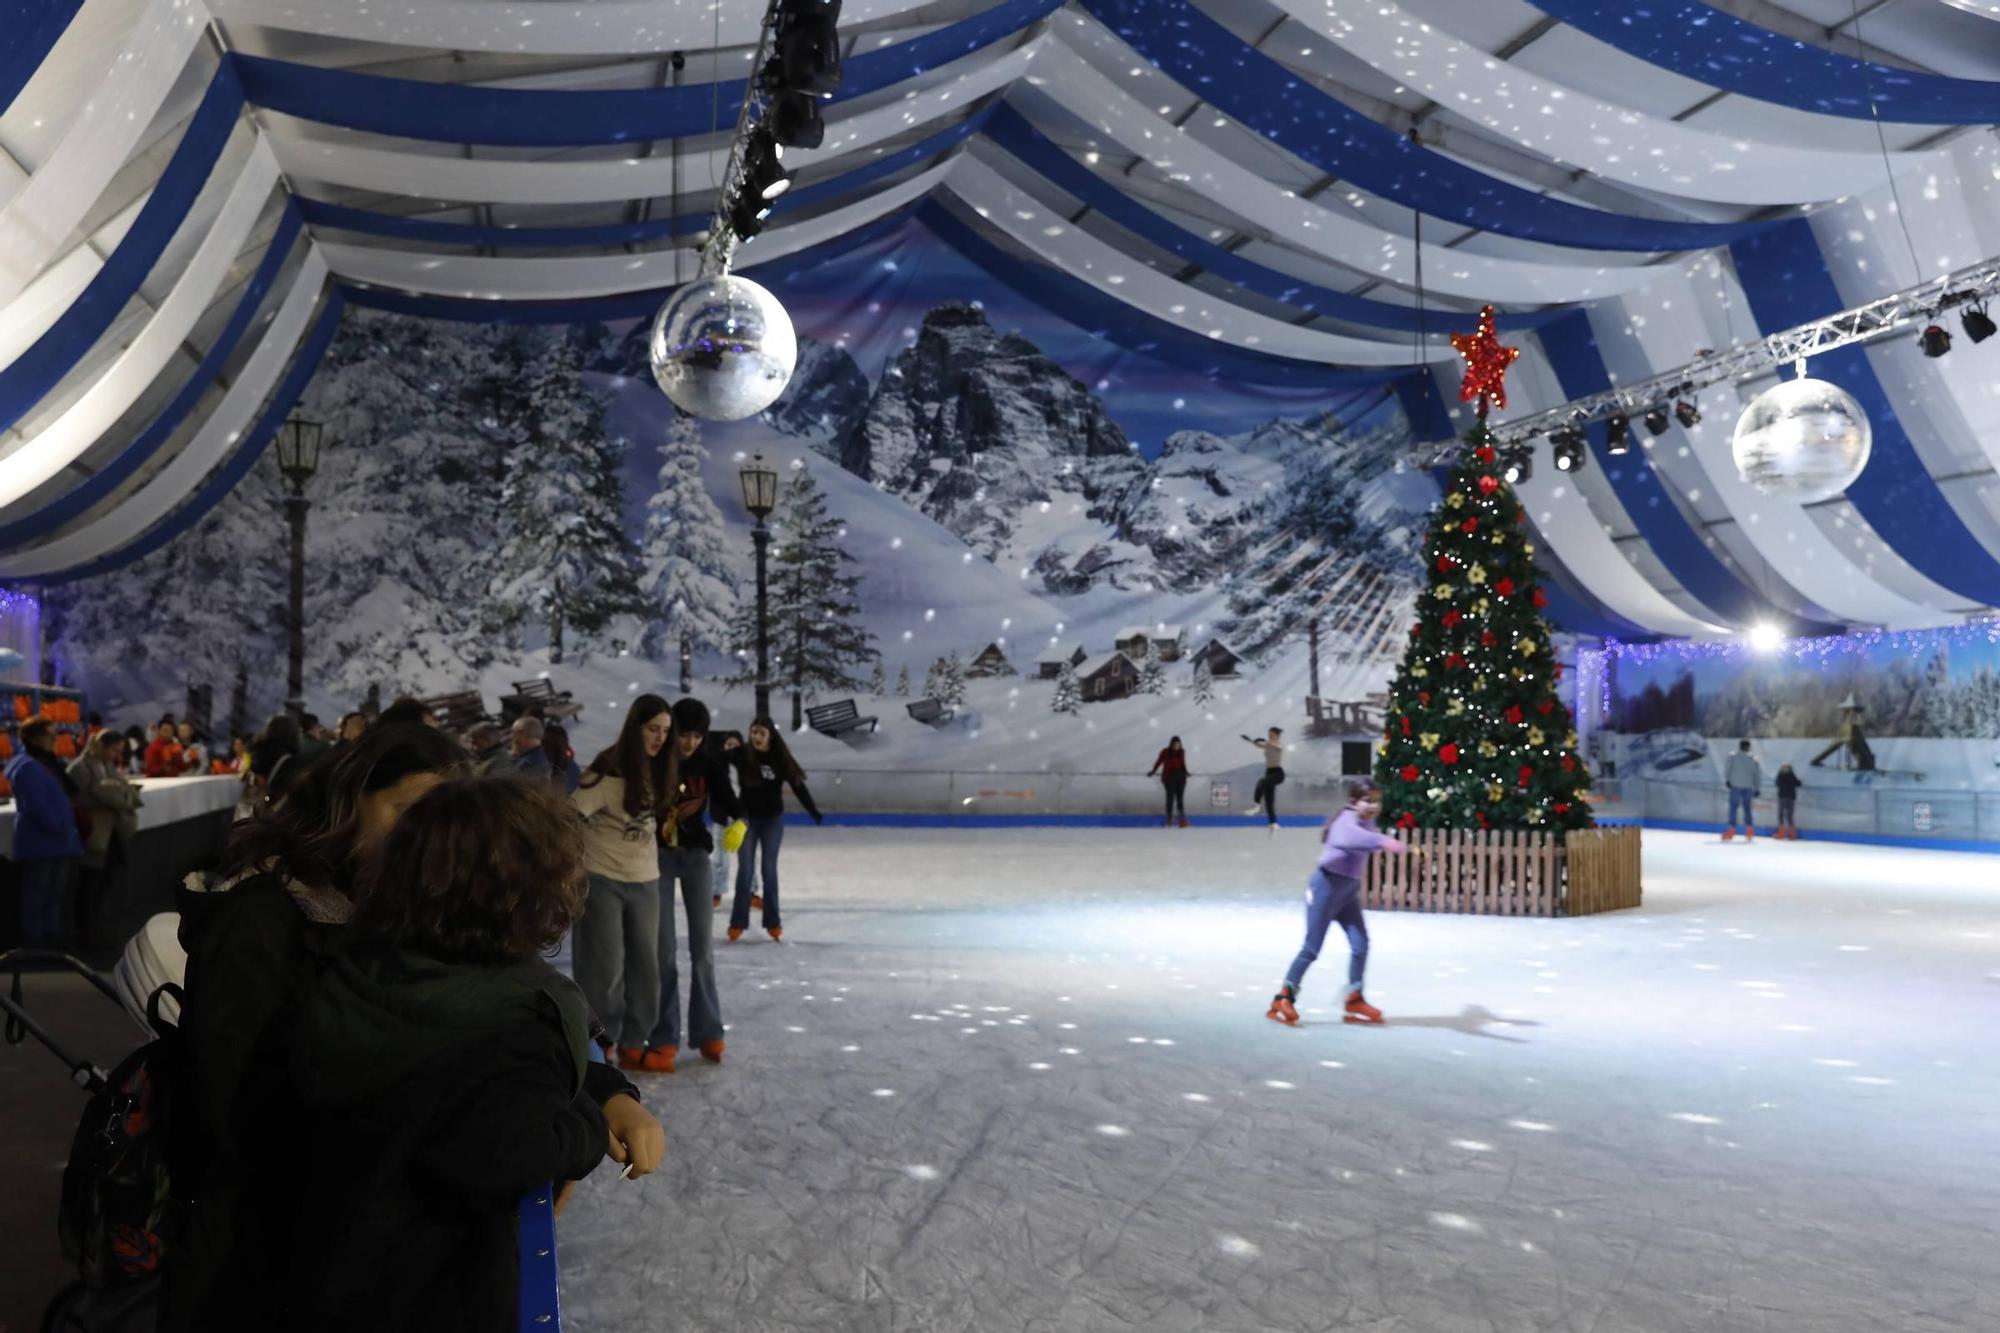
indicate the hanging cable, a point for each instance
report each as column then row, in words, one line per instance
column 1882, row 143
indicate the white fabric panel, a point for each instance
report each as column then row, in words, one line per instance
column 34, row 123
column 117, row 386
column 28, row 316
column 45, row 211
column 1077, row 85
column 1048, row 235
column 1639, row 334
column 308, row 155
column 1600, row 137
column 1572, row 529
column 1986, row 9
column 592, row 27
column 544, row 279
column 211, row 443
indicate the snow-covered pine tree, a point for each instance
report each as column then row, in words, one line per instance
column 816, row 628
column 1068, row 698
column 688, row 590
column 951, row 681
column 565, row 559
column 1152, row 676
column 903, row 681
column 878, row 684
column 934, row 680
column 1204, row 684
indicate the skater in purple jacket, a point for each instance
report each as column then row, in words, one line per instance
column 1334, row 894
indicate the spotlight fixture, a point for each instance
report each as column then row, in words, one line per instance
column 1934, row 340
column 808, row 46
column 1765, row 637
column 1656, row 418
column 1618, row 435
column 1977, row 323
column 1686, row 413
column 764, row 175
column 1517, row 463
column 794, row 120
column 747, row 217
column 1568, row 449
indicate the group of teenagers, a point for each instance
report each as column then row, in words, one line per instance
column 375, row 1058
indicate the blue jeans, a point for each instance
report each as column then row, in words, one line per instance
column 1739, row 796
column 695, row 872
column 759, row 849
column 42, row 902
column 1331, row 898
column 615, row 959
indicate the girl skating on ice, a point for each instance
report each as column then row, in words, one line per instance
column 765, row 766
column 1171, row 765
column 1266, row 795
column 1334, row 894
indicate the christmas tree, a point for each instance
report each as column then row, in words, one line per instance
column 1476, row 736
column 816, row 628
column 690, row 591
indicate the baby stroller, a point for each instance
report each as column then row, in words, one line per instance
column 114, row 1196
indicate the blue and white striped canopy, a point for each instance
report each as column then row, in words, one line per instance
column 190, row 194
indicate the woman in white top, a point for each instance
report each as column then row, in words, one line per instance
column 614, row 945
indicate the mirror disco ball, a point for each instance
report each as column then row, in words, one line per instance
column 1802, row 440
column 723, row 348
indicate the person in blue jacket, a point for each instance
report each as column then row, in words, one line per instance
column 46, row 844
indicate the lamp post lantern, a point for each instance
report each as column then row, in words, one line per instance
column 760, row 497
column 298, row 460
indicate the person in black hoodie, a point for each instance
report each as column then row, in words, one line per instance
column 262, row 928
column 441, row 1069
column 687, row 849
column 766, row 767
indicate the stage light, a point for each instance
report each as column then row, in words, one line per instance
column 1765, row 637
column 1934, row 340
column 764, row 175
column 808, row 46
column 1517, row 464
column 1568, row 450
column 1656, row 419
column 1618, row 435
column 746, row 219
column 794, row 120
column 1977, row 323
column 1686, row 413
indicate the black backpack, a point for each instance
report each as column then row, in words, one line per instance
column 115, row 1196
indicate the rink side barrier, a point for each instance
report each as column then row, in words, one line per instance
column 1822, row 835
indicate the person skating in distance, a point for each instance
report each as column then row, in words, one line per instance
column 765, row 766
column 1334, row 894
column 1171, row 765
column 1266, row 794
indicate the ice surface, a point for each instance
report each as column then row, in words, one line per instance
column 1764, row 1102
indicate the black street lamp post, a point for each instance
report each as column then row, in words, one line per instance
column 298, row 460
column 760, row 497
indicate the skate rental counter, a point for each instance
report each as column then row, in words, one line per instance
column 183, row 826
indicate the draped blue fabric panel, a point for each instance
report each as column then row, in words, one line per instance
column 235, row 468
column 605, row 309
column 1572, row 352
column 1011, row 131
column 41, row 367
column 1717, row 48
column 1206, row 58
column 1134, row 330
column 552, row 118
column 1785, row 276
column 28, row 29
column 74, row 502
column 371, row 223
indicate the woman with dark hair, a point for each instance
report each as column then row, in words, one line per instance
column 274, row 759
column 562, row 759
column 1171, row 765
column 766, row 767
column 1333, row 893
column 441, row 1067
column 615, row 945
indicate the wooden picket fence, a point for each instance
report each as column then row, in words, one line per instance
column 1509, row 873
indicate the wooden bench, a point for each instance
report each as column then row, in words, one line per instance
column 458, row 713
column 838, row 719
column 539, row 698
column 929, row 711
column 1334, row 716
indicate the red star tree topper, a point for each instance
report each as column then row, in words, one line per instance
column 1486, row 363
column 1476, row 736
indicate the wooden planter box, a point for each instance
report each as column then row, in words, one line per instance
column 1509, row 873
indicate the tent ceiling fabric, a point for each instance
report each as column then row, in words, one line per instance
column 188, row 185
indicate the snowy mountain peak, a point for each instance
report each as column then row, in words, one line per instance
column 826, row 397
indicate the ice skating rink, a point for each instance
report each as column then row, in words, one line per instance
column 1021, row 1080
